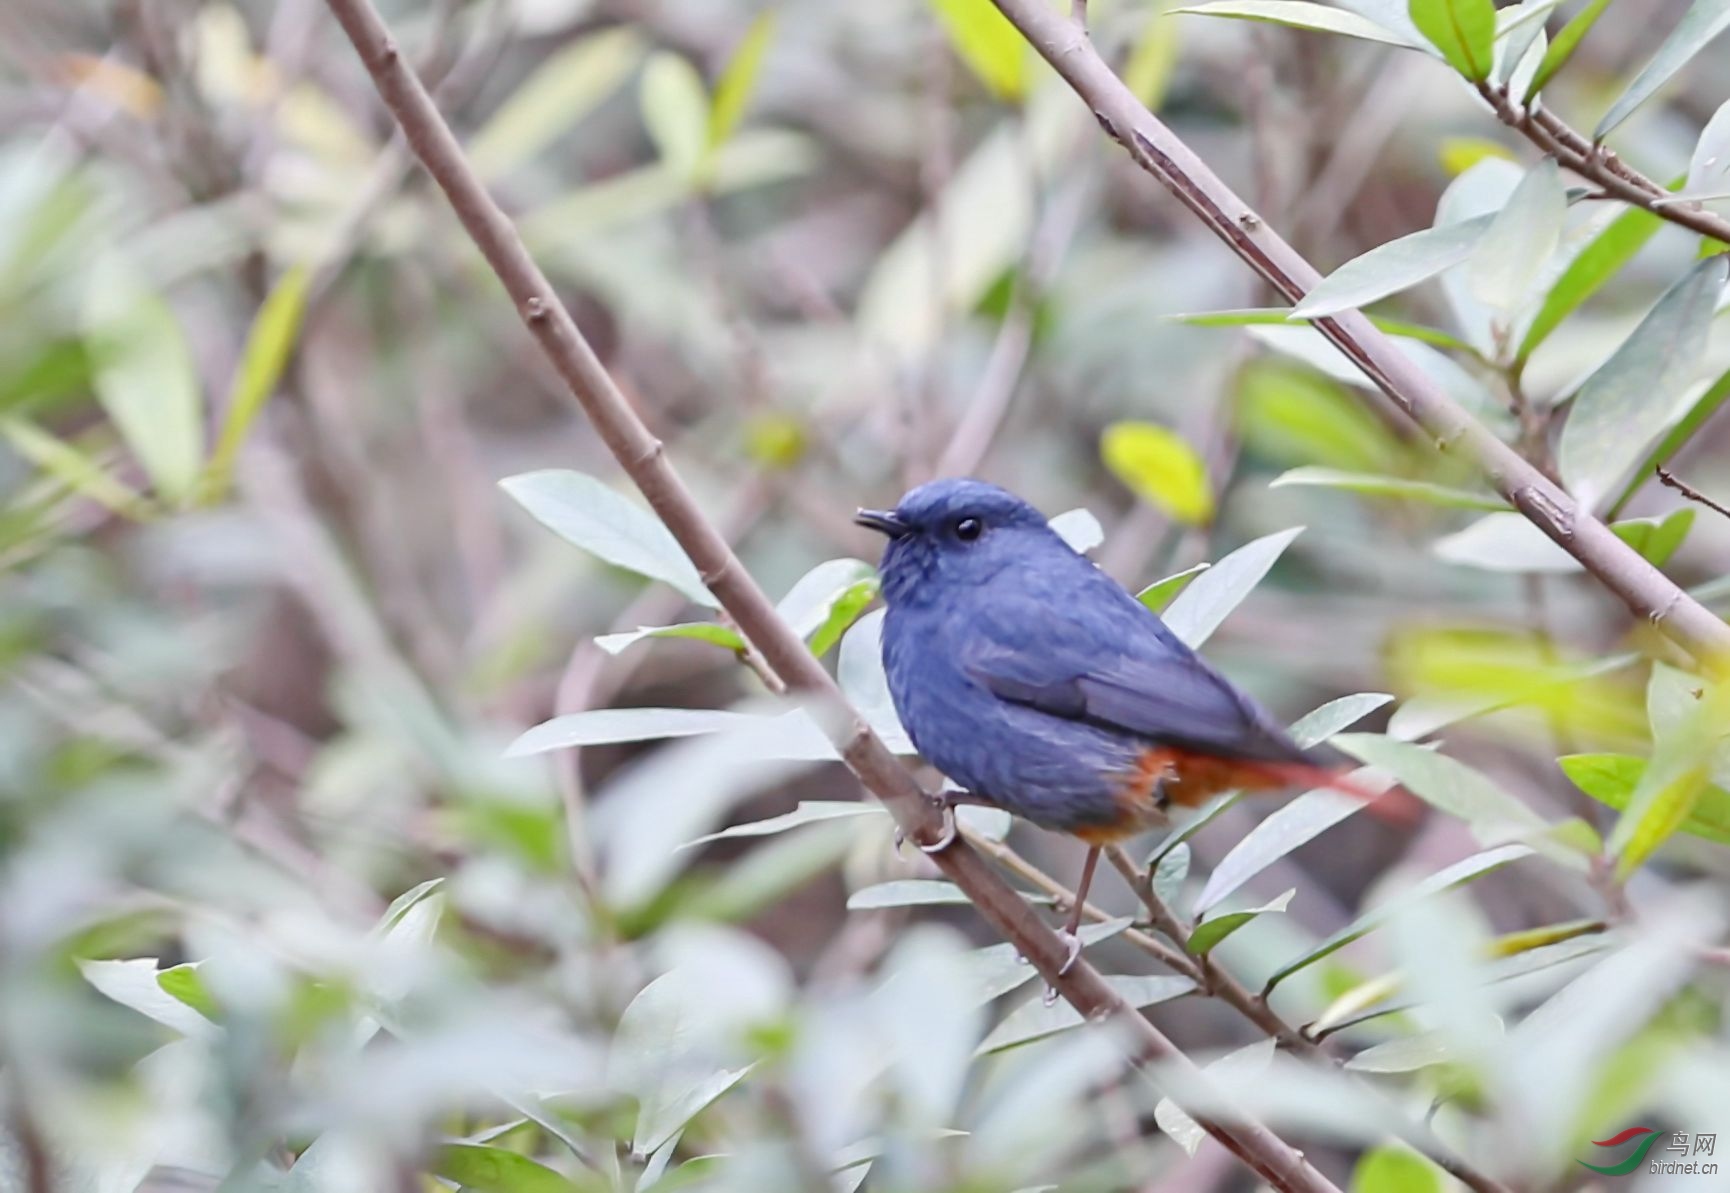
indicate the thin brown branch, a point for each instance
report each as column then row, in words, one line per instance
column 1666, row 478
column 1600, row 165
column 1156, row 149
column 643, row 459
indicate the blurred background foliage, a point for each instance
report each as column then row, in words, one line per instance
column 282, row 907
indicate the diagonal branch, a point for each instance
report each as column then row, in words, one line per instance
column 1156, row 149
column 1591, row 160
column 783, row 652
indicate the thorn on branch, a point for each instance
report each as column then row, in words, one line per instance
column 535, row 310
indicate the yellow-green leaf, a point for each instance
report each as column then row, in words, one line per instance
column 561, row 91
column 1463, row 30
column 1161, row 468
column 268, row 345
column 1148, row 70
column 1611, row 779
column 738, row 80
column 675, row 107
column 989, row 45
column 1562, row 49
column 72, row 468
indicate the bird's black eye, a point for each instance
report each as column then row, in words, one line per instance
column 968, row 529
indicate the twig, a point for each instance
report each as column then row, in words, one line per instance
column 1601, row 166
column 1690, row 492
column 1645, row 590
column 643, row 458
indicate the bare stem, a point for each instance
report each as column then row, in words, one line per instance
column 643, row 458
column 1690, row 492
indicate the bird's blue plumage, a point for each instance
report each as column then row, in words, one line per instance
column 1029, row 676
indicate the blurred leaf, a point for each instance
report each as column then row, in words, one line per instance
column 606, row 726
column 596, row 517
column 268, row 346
column 72, row 468
column 133, row 984
column 712, row 632
column 1299, row 14
column 1596, row 264
column 1463, row 30
column 997, row 969
column 183, row 982
column 676, row 112
column 1184, row 1130
column 738, row 79
column 1611, row 779
column 1390, row 1169
column 1147, row 72
column 1709, row 165
column 1306, row 343
column 1459, row 154
column 1209, row 933
column 808, row 812
column 1656, row 538
column 1405, row 1054
column 1627, row 403
column 1079, row 528
column 810, row 604
column 859, row 671
column 1704, row 20
column 1459, row 873
column 1389, row 486
column 1520, row 240
column 145, row 377
column 1674, row 780
column 1209, row 599
column 662, row 1054
column 906, row 892
column 1281, row 316
column 1521, row 43
column 1297, row 417
column 1394, row 266
column 1562, row 49
column 401, row 905
column 1160, row 593
column 1444, row 783
column 1512, row 944
column 991, row 47
column 1161, row 468
column 564, row 88
column 1169, row 875
column 750, row 885
column 497, row 1170
column 1289, row 826
column 1704, row 407
column 1036, row 1019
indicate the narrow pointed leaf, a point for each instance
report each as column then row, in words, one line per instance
column 1389, row 486
column 1392, row 267
column 1704, row 407
column 738, row 80
column 1209, row 933
column 567, row 86
column 72, row 468
column 1036, row 1019
column 990, row 46
column 1444, row 783
column 1298, row 14
column 812, row 811
column 1079, row 528
column 1289, row 826
column 1596, row 264
column 607, row 726
column 1611, row 779
column 701, row 631
column 675, row 109
column 1704, row 20
column 1160, row 593
column 498, row 1170
column 1520, row 240
column 1210, row 598
column 1562, row 49
column 268, row 346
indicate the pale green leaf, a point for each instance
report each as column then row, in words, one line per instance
column 1036, row 1019
column 599, row 519
column 268, row 346
column 714, row 633
column 1209, row 933
column 565, row 87
column 675, row 108
column 1704, row 20
column 608, row 726
column 498, row 1170
column 1444, row 783
column 1210, row 598
column 1594, row 265
column 1299, row 14
column 1389, row 486
column 1288, row 827
column 1391, row 1169
column 1389, row 268
column 809, row 811
column 1520, row 240
column 907, row 892
column 72, row 469
column 1611, row 779
column 1079, row 528
column 738, row 79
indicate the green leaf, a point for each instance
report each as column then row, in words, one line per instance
column 1391, row 1169
column 564, row 88
column 1704, row 407
column 675, row 108
column 1299, row 417
column 145, row 377
column 599, row 519
column 1656, row 538
column 1288, row 827
column 1704, row 20
column 1464, row 871
column 1160, row 467
column 1677, row 776
column 1392, row 267
column 498, row 1170
column 1209, row 933
column 1160, row 593
column 1596, row 264
column 725, row 637
column 1611, row 779
column 810, row 811
column 1389, row 486
column 810, row 605
column 608, row 726
column 1199, row 609
column 1154, row 56
column 268, row 346
column 71, row 468
column 1520, row 240
column 1036, row 1019
column 1463, row 30
column 1444, row 783
column 843, row 612
column 1627, row 403
column 739, row 78
column 133, row 984
column 991, row 47
column 1562, row 49
column 183, row 982
column 1299, row 14
column 1079, row 528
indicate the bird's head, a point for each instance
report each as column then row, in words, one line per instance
column 954, row 532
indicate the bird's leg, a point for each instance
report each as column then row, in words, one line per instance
column 1071, row 931
column 946, row 805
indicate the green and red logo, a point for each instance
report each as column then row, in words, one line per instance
column 1634, row 1159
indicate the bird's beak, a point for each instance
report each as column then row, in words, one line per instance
column 882, row 521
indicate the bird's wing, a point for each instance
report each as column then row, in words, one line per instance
column 1119, row 670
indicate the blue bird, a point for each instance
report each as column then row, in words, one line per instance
column 1041, row 686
